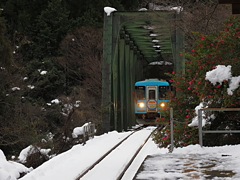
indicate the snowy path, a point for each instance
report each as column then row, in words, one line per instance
column 189, row 167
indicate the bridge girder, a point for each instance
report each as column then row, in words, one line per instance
column 132, row 40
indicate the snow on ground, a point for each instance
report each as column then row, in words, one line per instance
column 10, row 170
column 182, row 163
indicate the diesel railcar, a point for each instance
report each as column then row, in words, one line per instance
column 150, row 100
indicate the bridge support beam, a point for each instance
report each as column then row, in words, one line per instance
column 128, row 47
column 107, row 74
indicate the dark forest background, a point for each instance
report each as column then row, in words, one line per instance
column 50, row 49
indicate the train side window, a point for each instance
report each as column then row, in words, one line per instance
column 163, row 92
column 140, row 92
column 151, row 94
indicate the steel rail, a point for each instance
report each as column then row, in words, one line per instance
column 136, row 153
column 107, row 153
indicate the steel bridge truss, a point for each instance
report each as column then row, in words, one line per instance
column 133, row 40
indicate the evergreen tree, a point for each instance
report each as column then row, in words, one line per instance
column 5, row 63
column 46, row 79
column 89, row 13
column 21, row 15
column 133, row 4
column 52, row 25
column 5, row 48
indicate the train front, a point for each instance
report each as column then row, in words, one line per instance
column 150, row 100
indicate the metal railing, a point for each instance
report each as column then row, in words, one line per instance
column 88, row 132
column 200, row 131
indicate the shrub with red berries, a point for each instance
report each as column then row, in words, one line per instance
column 192, row 88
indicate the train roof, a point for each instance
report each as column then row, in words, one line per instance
column 148, row 82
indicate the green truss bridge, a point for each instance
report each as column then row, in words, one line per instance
column 137, row 46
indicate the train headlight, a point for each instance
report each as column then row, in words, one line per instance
column 162, row 104
column 141, row 105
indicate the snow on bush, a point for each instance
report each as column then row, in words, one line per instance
column 220, row 74
column 195, row 119
column 31, row 150
column 56, row 101
column 204, row 117
column 223, row 73
column 15, row 89
column 233, row 85
column 43, row 72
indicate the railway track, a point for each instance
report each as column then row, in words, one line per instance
column 110, row 160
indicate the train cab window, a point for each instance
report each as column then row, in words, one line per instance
column 151, row 94
column 140, row 92
column 163, row 92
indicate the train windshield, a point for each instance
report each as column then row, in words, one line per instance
column 163, row 92
column 151, row 94
column 140, row 92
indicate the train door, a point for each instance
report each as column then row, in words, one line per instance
column 151, row 97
